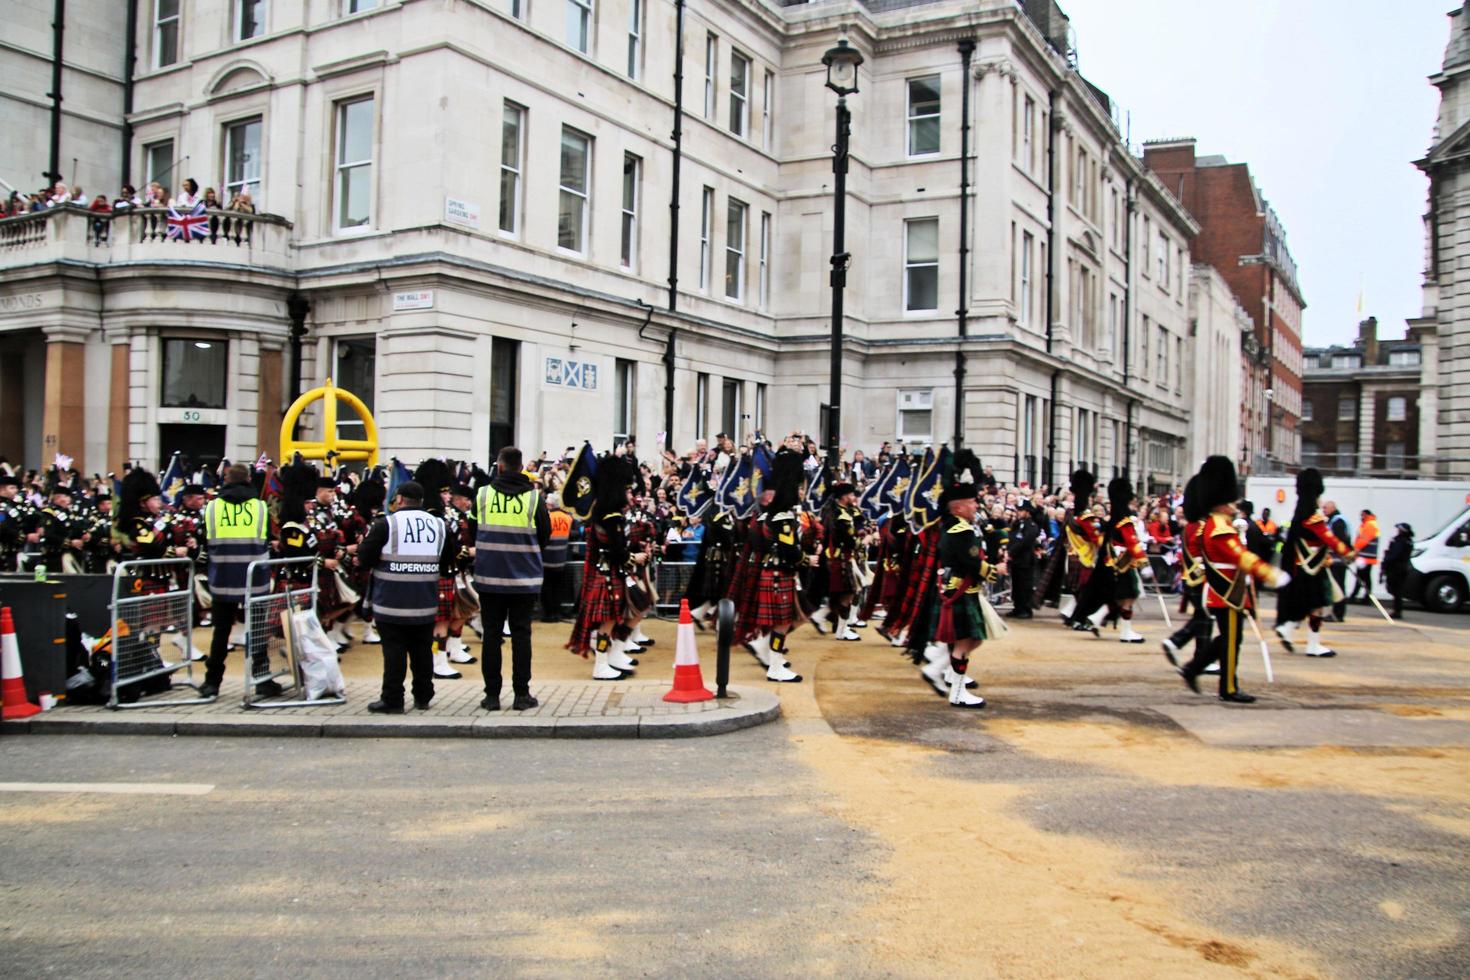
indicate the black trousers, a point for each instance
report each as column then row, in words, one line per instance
column 407, row 645
column 495, row 609
column 1338, row 571
column 1023, row 581
column 1198, row 626
column 1362, row 582
column 553, row 594
column 1225, row 648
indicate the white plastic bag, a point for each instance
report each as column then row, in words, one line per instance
column 317, row 657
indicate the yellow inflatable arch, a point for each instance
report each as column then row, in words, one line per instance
column 338, row 451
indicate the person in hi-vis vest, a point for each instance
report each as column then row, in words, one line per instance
column 236, row 533
column 554, row 561
column 406, row 550
column 513, row 529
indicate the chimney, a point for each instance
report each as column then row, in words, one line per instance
column 1368, row 340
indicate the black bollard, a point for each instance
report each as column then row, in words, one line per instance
column 724, row 635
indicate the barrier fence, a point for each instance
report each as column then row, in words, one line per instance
column 147, row 626
column 268, row 654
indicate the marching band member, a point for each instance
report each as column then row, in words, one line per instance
column 1309, row 552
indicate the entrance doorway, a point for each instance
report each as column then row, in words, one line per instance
column 200, row 445
column 22, row 397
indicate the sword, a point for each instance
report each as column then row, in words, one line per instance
column 1168, row 623
column 1379, row 606
column 1255, row 625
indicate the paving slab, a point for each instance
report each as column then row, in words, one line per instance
column 568, row 709
column 1296, row 727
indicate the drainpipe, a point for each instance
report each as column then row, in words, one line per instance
column 1051, row 266
column 678, row 155
column 1128, row 323
column 296, row 308
column 967, row 51
column 130, row 65
column 58, row 30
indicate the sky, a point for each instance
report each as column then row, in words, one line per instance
column 1326, row 100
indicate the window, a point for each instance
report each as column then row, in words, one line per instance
column 923, row 115
column 249, row 19
column 1163, row 354
column 768, row 111
column 1306, row 410
column 1310, row 362
column 1028, row 135
column 632, row 174
column 706, row 216
column 1179, row 364
column 1179, row 268
column 916, row 414
column 1027, row 243
column 579, row 24
column 635, row 36
column 710, row 57
column 1398, row 409
column 760, row 407
column 357, row 371
column 730, row 409
column 1347, row 409
column 1163, row 262
column 1346, row 362
column 504, row 356
column 573, row 195
column 165, row 33
column 1115, row 221
column 242, row 161
column 194, row 373
column 1143, row 338
column 1403, row 358
column 1347, row 455
column 1110, row 342
column 701, row 406
column 358, row 6
column 1393, row 455
column 158, row 161
column 625, row 374
column 921, row 265
column 1144, row 241
column 1310, row 453
column 512, row 141
column 735, row 250
column 765, row 269
column 354, row 164
column 739, row 93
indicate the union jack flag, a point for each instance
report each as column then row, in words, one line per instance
column 192, row 224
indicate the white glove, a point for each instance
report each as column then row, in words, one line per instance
column 1283, row 579
column 1146, row 573
column 1360, row 564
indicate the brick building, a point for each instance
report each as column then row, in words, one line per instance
column 1361, row 407
column 1241, row 237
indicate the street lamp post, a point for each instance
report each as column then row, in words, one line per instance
column 842, row 77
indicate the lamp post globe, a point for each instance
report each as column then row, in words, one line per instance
column 842, row 68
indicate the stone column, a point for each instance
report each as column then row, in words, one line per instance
column 269, row 413
column 118, row 414
column 63, row 422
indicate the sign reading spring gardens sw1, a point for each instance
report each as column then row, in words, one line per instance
column 563, row 372
column 461, row 212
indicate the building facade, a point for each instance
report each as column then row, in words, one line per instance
column 1218, row 328
column 1362, row 407
column 1444, row 322
column 1244, row 240
column 495, row 223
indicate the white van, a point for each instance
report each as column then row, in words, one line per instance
column 1440, row 566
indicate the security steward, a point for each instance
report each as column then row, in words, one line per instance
column 236, row 533
column 406, row 549
column 514, row 527
column 554, row 561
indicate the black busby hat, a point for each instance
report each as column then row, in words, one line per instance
column 370, row 494
column 841, row 489
column 326, row 483
column 615, row 474
column 958, row 491
column 1120, row 497
column 462, row 490
column 1192, row 510
column 191, row 488
column 298, row 485
column 1309, row 485
column 137, row 486
column 1083, row 483
column 787, row 475
column 960, row 483
column 434, row 476
column 478, row 477
column 7, row 480
column 1217, row 483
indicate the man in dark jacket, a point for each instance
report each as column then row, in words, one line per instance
column 511, row 537
column 1024, row 537
column 1338, row 525
column 1396, row 566
column 236, row 533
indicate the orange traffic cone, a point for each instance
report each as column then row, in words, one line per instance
column 12, row 681
column 688, row 681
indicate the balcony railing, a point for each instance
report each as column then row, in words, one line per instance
column 140, row 234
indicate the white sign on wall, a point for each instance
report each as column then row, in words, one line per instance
column 461, row 212
column 414, row 299
column 563, row 372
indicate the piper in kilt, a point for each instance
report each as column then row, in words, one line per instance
column 893, row 555
column 963, row 571
column 459, row 518
column 1126, row 554
column 1310, row 549
column 642, row 592
column 841, row 517
column 1082, row 537
column 600, row 629
column 774, row 611
column 435, row 477
column 714, row 567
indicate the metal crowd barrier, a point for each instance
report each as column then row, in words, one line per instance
column 268, row 657
column 140, row 622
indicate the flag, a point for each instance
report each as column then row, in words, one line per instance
column 189, row 225
column 763, row 462
column 923, row 505
column 695, row 494
column 872, row 502
column 578, row 495
column 173, row 480
column 462, row 473
column 816, row 490
column 896, row 486
column 736, row 493
column 271, row 488
column 396, row 475
column 262, row 462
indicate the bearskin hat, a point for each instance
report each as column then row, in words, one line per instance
column 1083, row 483
column 787, row 474
column 478, row 477
column 370, row 494
column 964, row 468
column 298, row 485
column 137, row 486
column 611, row 482
column 1192, row 509
column 1120, row 497
column 1217, row 483
column 435, row 476
column 1309, row 485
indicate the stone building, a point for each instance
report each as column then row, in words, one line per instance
column 1243, row 239
column 1444, row 323
column 1218, row 329
column 465, row 218
column 1362, row 407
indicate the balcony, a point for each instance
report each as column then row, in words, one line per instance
column 74, row 234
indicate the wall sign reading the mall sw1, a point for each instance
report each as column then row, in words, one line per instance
column 563, row 372
column 414, row 299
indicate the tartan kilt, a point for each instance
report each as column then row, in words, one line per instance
column 1128, row 585
column 773, row 601
column 916, row 586
column 329, row 597
column 640, row 597
column 603, row 600
column 839, row 576
column 445, row 611
column 961, row 619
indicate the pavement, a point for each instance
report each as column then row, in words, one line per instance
column 1096, row 819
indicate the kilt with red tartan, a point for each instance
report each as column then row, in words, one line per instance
column 603, row 600
column 445, row 611
column 916, row 582
column 840, row 579
column 773, row 601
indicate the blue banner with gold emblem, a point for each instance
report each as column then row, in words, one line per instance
column 578, row 494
